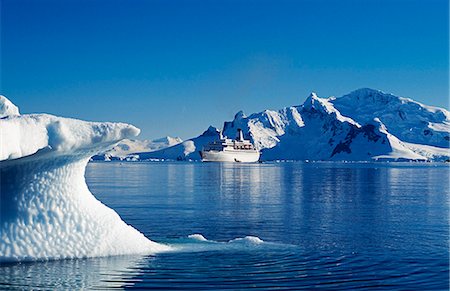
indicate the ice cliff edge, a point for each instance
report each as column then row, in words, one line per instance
column 46, row 208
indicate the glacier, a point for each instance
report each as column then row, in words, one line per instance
column 46, row 209
column 364, row 125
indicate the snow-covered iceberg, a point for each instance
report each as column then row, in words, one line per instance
column 46, row 208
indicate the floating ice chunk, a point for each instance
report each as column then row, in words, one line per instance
column 248, row 239
column 197, row 236
column 46, row 209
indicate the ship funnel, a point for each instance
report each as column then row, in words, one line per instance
column 240, row 135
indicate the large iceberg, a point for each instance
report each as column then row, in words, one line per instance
column 46, row 208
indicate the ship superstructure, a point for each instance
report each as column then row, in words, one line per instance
column 230, row 150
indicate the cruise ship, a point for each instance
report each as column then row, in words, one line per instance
column 228, row 150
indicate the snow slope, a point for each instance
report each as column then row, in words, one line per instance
column 187, row 150
column 7, row 108
column 46, row 209
column 364, row 125
column 407, row 119
column 128, row 147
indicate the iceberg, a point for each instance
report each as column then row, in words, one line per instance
column 46, row 209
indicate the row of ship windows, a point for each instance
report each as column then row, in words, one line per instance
column 242, row 147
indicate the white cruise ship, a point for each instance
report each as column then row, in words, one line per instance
column 228, row 150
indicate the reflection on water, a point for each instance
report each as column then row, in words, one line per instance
column 334, row 225
column 93, row 273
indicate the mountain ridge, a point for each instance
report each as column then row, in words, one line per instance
column 363, row 125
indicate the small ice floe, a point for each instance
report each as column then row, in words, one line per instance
column 197, row 236
column 248, row 239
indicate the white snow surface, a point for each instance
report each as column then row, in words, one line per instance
column 405, row 118
column 7, row 108
column 46, row 210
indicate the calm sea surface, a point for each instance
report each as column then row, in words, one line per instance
column 322, row 225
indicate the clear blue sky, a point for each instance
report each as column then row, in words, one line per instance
column 175, row 67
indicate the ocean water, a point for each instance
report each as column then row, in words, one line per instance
column 334, row 226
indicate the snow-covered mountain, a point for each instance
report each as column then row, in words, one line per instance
column 363, row 125
column 187, row 150
column 127, row 147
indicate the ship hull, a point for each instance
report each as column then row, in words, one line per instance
column 229, row 156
